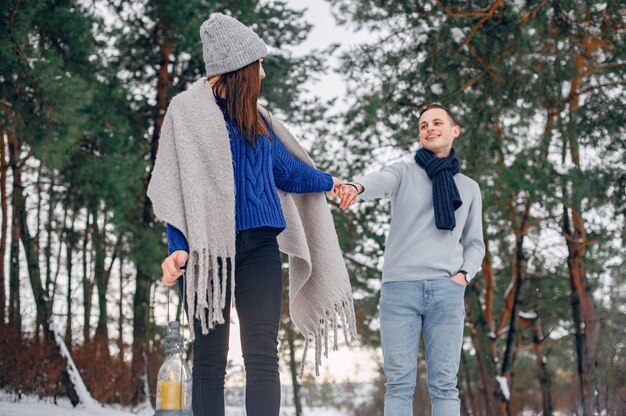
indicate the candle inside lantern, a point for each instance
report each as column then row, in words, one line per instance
column 170, row 394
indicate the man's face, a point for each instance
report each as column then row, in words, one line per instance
column 436, row 131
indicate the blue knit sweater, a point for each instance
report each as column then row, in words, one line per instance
column 258, row 171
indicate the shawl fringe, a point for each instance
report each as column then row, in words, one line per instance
column 206, row 297
column 344, row 310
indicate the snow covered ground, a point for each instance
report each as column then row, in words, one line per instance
column 32, row 406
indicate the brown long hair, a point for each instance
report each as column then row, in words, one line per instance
column 242, row 89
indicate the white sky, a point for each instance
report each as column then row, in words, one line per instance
column 324, row 33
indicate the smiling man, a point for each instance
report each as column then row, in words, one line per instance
column 433, row 250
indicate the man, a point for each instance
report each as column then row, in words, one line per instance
column 433, row 250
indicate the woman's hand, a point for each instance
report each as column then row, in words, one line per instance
column 337, row 184
column 173, row 266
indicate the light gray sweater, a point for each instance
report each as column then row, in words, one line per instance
column 415, row 248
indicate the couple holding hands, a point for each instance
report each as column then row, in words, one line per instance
column 235, row 189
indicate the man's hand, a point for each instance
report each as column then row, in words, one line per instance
column 459, row 278
column 172, row 266
column 349, row 195
column 337, row 184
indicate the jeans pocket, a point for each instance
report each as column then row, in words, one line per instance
column 457, row 284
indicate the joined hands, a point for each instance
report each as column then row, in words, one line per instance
column 348, row 193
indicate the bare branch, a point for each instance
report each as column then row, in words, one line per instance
column 487, row 15
column 452, row 13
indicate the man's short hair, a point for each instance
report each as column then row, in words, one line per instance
column 432, row 106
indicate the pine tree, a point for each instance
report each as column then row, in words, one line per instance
column 43, row 46
column 64, row 114
column 528, row 82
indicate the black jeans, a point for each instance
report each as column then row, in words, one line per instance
column 258, row 295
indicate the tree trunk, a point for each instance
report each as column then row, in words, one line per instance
column 87, row 283
column 576, row 317
column 479, row 333
column 487, row 269
column 584, row 312
column 98, row 238
column 48, row 247
column 4, row 230
column 163, row 84
column 520, row 227
column 102, row 278
column 120, row 306
column 293, row 369
column 545, row 381
column 70, row 246
column 58, row 262
column 15, row 314
column 143, row 279
column 516, row 349
column 140, row 329
column 507, row 361
column 583, row 307
column 469, row 392
column 36, row 241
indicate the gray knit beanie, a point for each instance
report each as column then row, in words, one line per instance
column 228, row 45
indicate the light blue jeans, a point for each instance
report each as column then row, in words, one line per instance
column 407, row 308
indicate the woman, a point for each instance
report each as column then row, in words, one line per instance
column 233, row 185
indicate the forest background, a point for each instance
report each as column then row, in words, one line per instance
column 537, row 85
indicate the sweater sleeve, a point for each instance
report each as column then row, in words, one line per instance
column 381, row 184
column 293, row 175
column 175, row 240
column 472, row 237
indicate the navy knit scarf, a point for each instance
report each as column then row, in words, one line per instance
column 446, row 197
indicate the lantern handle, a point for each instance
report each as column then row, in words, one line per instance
column 184, row 308
column 184, row 295
column 167, row 288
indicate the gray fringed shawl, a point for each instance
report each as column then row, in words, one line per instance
column 192, row 188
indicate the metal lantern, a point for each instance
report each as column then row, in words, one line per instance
column 174, row 379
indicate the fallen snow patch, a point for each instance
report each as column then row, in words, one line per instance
column 532, row 315
column 504, row 386
column 83, row 393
